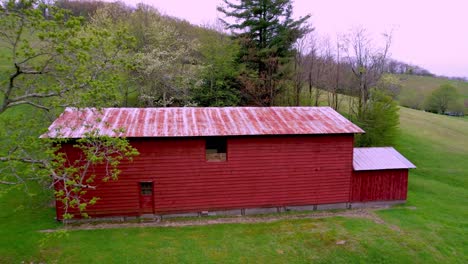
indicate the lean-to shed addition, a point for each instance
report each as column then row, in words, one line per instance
column 212, row 160
column 380, row 174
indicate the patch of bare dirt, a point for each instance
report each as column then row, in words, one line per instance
column 367, row 213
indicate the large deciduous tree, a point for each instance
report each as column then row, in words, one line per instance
column 367, row 61
column 57, row 60
column 442, row 99
column 167, row 65
column 219, row 84
column 266, row 32
column 51, row 59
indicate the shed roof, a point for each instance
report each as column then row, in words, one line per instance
column 201, row 121
column 379, row 159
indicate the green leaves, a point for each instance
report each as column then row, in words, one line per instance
column 267, row 33
column 167, row 65
column 56, row 60
column 380, row 120
column 219, row 86
column 443, row 99
column 72, row 175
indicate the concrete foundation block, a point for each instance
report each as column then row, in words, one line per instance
column 301, row 208
column 235, row 212
column 105, row 219
column 281, row 209
column 376, row 204
column 254, row 211
column 332, row 206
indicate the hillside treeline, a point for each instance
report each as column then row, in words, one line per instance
column 111, row 54
column 175, row 63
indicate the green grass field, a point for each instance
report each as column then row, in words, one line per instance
column 432, row 226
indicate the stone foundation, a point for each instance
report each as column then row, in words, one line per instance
column 242, row 212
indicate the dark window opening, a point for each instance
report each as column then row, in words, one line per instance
column 146, row 188
column 216, row 148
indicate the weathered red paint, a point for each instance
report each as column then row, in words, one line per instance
column 379, row 185
column 276, row 156
column 260, row 171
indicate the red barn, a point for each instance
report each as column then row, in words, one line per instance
column 233, row 160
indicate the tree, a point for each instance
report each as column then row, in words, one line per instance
column 441, row 99
column 55, row 60
column 52, row 61
column 266, row 32
column 167, row 66
column 380, row 121
column 299, row 68
column 321, row 69
column 367, row 62
column 219, row 85
column 83, row 8
column 112, row 18
column 390, row 84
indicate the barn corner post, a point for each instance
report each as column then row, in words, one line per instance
column 351, row 179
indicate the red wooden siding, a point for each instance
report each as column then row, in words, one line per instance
column 379, row 185
column 259, row 172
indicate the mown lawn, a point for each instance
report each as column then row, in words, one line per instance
column 432, row 226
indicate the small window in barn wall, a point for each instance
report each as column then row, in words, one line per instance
column 146, row 188
column 216, row 148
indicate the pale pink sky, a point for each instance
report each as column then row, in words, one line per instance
column 429, row 33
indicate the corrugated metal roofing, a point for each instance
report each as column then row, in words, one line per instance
column 379, row 159
column 201, row 121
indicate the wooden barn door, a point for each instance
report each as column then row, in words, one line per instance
column 146, row 198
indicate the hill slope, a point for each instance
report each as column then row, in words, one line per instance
column 430, row 228
column 416, row 88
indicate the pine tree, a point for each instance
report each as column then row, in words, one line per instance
column 267, row 33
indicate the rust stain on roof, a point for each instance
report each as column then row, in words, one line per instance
column 201, row 121
column 379, row 159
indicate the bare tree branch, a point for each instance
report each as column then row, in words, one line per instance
column 8, row 183
column 29, row 103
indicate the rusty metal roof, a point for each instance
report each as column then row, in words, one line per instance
column 379, row 159
column 201, row 121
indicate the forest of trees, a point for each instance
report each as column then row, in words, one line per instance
column 100, row 54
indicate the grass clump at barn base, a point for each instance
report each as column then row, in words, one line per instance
column 430, row 228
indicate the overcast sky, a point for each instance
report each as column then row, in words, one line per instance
column 429, row 33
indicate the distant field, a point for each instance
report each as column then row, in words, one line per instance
column 416, row 88
column 431, row 228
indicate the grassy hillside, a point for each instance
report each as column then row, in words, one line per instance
column 416, row 88
column 431, row 228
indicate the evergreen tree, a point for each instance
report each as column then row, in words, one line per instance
column 266, row 32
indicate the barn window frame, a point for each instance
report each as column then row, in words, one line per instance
column 216, row 149
column 146, row 188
